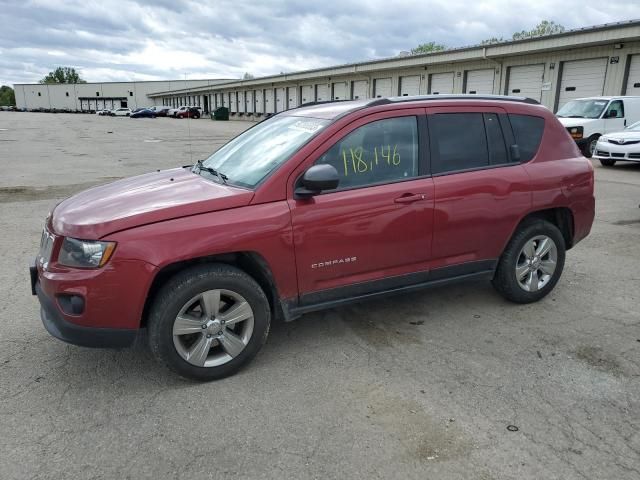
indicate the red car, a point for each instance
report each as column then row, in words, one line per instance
column 314, row 208
column 190, row 112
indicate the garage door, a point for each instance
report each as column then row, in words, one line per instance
column 633, row 79
column 232, row 102
column 306, row 92
column 281, row 99
column 359, row 89
column 339, row 91
column 382, row 87
column 242, row 106
column 441, row 83
column 410, row 85
column 582, row 78
column 480, row 81
column 292, row 95
column 269, row 101
column 322, row 92
column 249, row 101
column 526, row 81
column 259, row 100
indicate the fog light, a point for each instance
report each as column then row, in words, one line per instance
column 71, row 304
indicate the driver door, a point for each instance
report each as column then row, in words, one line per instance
column 374, row 231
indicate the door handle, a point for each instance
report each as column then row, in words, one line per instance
column 410, row 198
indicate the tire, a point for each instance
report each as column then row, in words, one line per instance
column 208, row 352
column 590, row 145
column 607, row 163
column 514, row 279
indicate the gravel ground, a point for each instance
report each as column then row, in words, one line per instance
column 418, row 386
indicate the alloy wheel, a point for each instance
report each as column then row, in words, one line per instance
column 536, row 263
column 213, row 328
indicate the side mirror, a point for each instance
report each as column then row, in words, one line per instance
column 514, row 150
column 316, row 179
column 612, row 114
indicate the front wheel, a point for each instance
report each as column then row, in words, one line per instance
column 532, row 263
column 607, row 163
column 590, row 147
column 208, row 321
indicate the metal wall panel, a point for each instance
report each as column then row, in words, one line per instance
column 441, row 83
column 359, row 89
column 382, row 87
column 525, row 81
column 480, row 81
column 409, row 85
column 582, row 78
column 306, row 94
column 633, row 76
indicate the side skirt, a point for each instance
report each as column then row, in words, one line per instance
column 474, row 271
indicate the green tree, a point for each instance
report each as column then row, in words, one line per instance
column 63, row 75
column 428, row 47
column 247, row 76
column 7, row 96
column 545, row 27
column 491, row 40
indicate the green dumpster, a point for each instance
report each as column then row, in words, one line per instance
column 221, row 113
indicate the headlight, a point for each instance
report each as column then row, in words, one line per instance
column 575, row 132
column 85, row 253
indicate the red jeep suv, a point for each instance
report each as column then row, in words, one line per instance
column 314, row 208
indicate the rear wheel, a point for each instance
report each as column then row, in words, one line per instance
column 208, row 321
column 532, row 263
column 607, row 163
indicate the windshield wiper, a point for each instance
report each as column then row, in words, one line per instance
column 200, row 166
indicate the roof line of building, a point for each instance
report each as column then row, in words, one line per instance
column 139, row 81
column 482, row 51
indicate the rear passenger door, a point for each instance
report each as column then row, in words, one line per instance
column 480, row 193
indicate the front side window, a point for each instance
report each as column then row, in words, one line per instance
column 383, row 151
column 247, row 159
column 615, row 110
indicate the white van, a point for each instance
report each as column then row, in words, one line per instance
column 588, row 118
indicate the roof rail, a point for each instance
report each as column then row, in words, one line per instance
column 504, row 98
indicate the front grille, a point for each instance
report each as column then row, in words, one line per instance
column 626, row 142
column 617, row 155
column 635, row 156
column 600, row 153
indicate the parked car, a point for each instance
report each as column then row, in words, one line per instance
column 161, row 111
column 121, row 112
column 175, row 111
column 144, row 113
column 587, row 119
column 103, row 112
column 310, row 209
column 619, row 146
column 190, row 112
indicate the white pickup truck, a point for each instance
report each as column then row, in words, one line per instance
column 587, row 119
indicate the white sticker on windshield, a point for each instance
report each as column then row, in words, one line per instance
column 308, row 125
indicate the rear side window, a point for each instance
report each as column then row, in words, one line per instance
column 527, row 131
column 460, row 142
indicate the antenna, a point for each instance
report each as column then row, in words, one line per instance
column 188, row 123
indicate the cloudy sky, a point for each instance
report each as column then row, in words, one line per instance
column 109, row 40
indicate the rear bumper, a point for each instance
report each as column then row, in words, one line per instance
column 69, row 332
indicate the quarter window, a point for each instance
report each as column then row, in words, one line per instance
column 527, row 131
column 383, row 151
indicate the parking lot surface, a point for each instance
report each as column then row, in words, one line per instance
column 447, row 383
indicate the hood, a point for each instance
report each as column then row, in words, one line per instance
column 140, row 200
column 623, row 135
column 576, row 122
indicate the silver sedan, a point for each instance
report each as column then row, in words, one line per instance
column 621, row 146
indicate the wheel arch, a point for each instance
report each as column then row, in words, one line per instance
column 561, row 217
column 252, row 263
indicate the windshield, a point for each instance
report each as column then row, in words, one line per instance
column 248, row 159
column 635, row 127
column 582, row 109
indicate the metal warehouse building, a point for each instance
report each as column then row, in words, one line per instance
column 97, row 96
column 600, row 60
